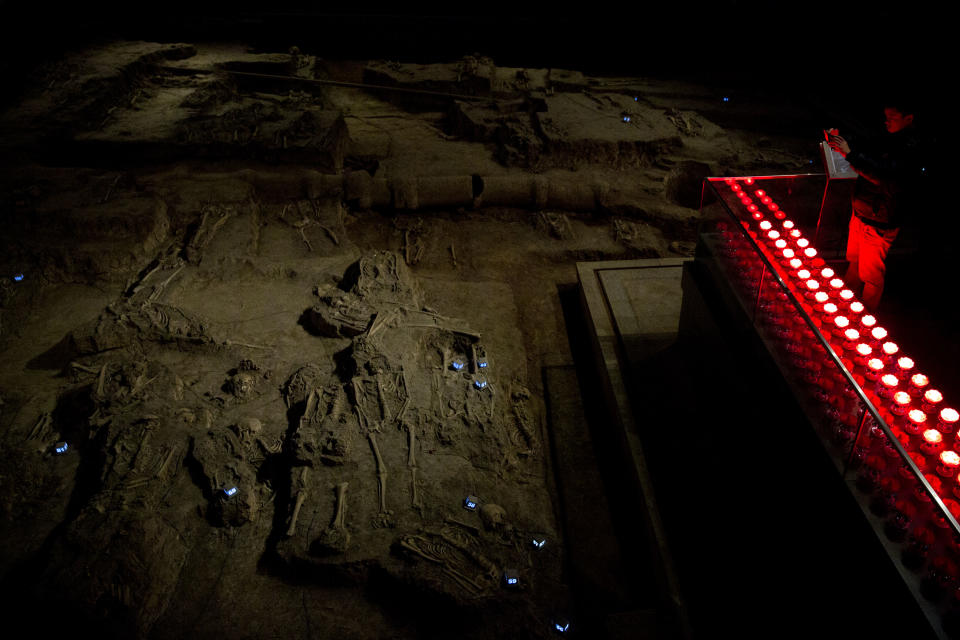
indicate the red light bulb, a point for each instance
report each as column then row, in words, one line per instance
column 795, row 233
column 836, row 283
column 901, row 400
column 766, row 225
column 915, row 421
column 773, row 206
column 932, row 441
column 773, row 235
column 803, row 243
column 759, row 193
column 856, row 307
column 827, row 273
column 846, row 295
column 905, row 364
column 948, row 418
column 795, row 263
column 752, row 207
column 780, row 244
column 887, row 386
column 821, row 296
column 766, row 199
column 841, row 322
column 803, row 274
column 931, row 399
column 736, row 187
column 748, row 180
column 756, row 215
column 812, row 285
column 949, row 463
column 879, row 333
column 919, row 380
column 874, row 367
column 788, row 224
column 829, row 307
column 851, row 335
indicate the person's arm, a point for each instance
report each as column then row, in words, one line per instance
column 878, row 169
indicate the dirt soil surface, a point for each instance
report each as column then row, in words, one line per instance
column 265, row 329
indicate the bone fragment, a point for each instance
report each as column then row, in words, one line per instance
column 341, row 505
column 330, row 233
column 301, row 496
column 463, row 580
column 469, row 527
column 381, row 397
column 453, row 254
column 163, row 285
column 303, row 235
column 381, row 473
column 233, row 343
column 166, row 463
column 38, row 429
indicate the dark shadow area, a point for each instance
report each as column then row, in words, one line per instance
column 762, row 527
column 632, row 585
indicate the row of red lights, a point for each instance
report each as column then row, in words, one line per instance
column 861, row 344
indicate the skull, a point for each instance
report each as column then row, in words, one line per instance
column 493, row 516
column 241, row 384
column 248, row 427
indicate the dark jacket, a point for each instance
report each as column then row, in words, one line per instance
column 889, row 173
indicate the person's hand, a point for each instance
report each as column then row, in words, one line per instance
column 838, row 144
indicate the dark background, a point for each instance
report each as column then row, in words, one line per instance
column 853, row 50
